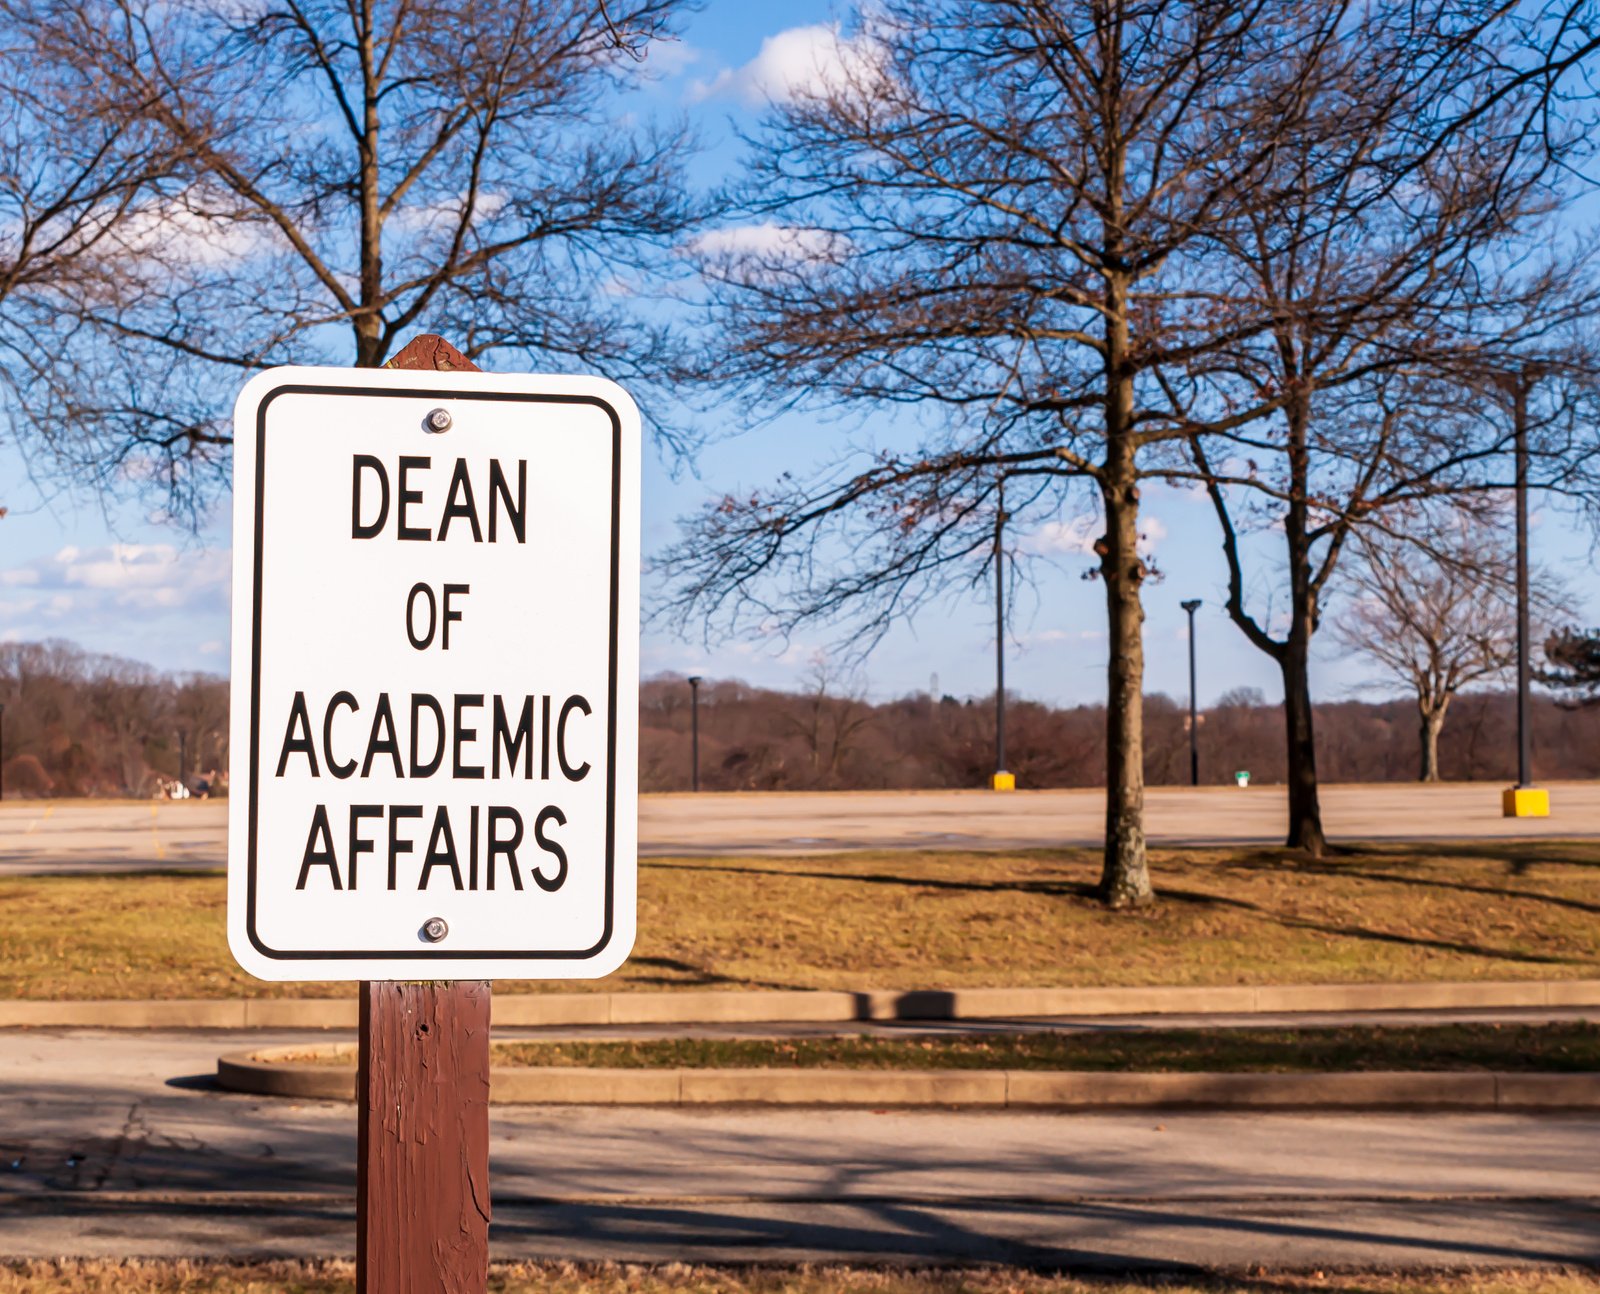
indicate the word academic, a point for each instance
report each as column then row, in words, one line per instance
column 467, row 736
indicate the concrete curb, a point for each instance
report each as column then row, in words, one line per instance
column 269, row 1072
column 822, row 1006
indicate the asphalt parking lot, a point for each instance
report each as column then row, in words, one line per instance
column 86, row 836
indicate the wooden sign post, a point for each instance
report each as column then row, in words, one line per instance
column 422, row 1167
column 435, row 694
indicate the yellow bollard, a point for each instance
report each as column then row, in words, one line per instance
column 1524, row 802
column 1003, row 782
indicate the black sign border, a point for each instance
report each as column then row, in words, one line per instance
column 432, row 954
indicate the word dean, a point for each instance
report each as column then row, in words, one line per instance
column 417, row 513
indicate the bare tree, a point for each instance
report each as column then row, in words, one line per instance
column 999, row 211
column 1437, row 612
column 1572, row 668
column 354, row 173
column 832, row 713
column 1401, row 240
column 72, row 170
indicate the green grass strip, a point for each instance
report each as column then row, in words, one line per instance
column 1558, row 1048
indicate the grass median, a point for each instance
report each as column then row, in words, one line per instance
column 1564, row 1048
column 1484, row 911
column 570, row 1278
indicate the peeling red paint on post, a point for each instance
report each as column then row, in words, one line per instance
column 432, row 354
column 422, row 1185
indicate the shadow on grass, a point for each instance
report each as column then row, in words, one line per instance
column 1046, row 889
column 1361, row 865
column 1464, row 887
column 1519, row 856
column 689, row 975
column 1255, row 860
column 1369, row 934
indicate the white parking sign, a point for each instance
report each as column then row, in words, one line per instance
column 435, row 676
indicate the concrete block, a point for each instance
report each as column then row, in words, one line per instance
column 1428, row 1091
column 1004, row 1003
column 1061, row 1088
column 843, row 1087
column 1173, row 1000
column 735, row 1007
column 1548, row 1091
column 551, row 1008
column 301, row 1013
column 558, row 1085
column 218, row 1013
column 1399, row 997
column 265, row 1073
column 1572, row 992
column 196, row 1014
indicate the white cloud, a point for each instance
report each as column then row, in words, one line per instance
column 189, row 232
column 1151, row 533
column 1049, row 637
column 666, row 58
column 1078, row 536
column 793, row 64
column 768, row 240
column 78, row 592
column 1058, row 537
column 444, row 215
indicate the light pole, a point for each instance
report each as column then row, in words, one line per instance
column 694, row 732
column 1519, row 414
column 1002, row 780
column 1191, row 607
column 1523, row 800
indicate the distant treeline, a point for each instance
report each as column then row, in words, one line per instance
column 77, row 723
column 756, row 739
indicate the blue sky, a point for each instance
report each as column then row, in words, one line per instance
column 118, row 582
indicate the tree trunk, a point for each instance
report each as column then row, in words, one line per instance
column 1125, row 876
column 1432, row 720
column 1305, row 810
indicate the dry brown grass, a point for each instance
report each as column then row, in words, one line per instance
column 907, row 920
column 566, row 1278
